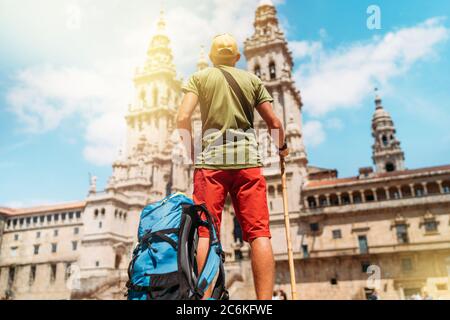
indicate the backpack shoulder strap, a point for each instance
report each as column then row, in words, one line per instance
column 214, row 261
column 245, row 104
column 220, row 292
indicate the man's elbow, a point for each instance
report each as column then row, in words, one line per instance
column 275, row 124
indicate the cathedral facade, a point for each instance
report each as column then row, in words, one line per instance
column 385, row 229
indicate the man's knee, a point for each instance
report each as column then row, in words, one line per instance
column 260, row 240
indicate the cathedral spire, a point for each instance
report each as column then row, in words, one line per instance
column 159, row 53
column 378, row 100
column 203, row 60
column 151, row 116
column 268, row 56
column 387, row 153
column 161, row 22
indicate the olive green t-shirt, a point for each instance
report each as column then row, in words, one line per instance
column 228, row 141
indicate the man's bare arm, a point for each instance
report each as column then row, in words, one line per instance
column 184, row 126
column 265, row 109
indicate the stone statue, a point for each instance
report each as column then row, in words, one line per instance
column 92, row 184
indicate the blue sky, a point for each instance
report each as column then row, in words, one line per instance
column 66, row 69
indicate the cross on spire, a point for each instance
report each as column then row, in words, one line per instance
column 378, row 99
column 162, row 21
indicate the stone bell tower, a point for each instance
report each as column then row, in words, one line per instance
column 150, row 167
column 388, row 156
column 269, row 57
column 147, row 165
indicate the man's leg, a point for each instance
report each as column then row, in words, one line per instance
column 263, row 267
column 248, row 194
column 210, row 188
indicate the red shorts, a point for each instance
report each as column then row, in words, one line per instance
column 247, row 188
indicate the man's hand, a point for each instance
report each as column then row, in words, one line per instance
column 284, row 153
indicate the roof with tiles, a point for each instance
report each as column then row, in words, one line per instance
column 40, row 209
column 336, row 182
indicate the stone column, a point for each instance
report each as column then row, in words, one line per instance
column 245, row 250
column 441, row 189
column 400, row 193
column 317, row 201
column 328, row 199
column 306, row 203
column 386, row 191
column 411, row 186
column 338, row 194
column 375, row 196
column 350, row 196
column 363, row 196
column 425, row 189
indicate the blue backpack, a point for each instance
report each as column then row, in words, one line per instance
column 163, row 266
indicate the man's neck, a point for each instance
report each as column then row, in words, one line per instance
column 225, row 65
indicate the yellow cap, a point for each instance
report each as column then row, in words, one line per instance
column 224, row 49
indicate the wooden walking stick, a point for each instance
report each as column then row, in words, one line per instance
column 287, row 226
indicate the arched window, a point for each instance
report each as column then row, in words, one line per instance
column 96, row 213
column 169, row 95
column 418, row 191
column 142, row 94
column 258, row 71
column 117, row 261
column 390, row 167
column 345, row 198
column 237, row 231
column 312, row 202
column 323, row 201
column 155, row 97
column 272, row 71
column 334, row 200
column 280, row 190
column 103, row 212
column 271, row 191
column 369, row 196
column 446, row 186
column 393, row 193
column 381, row 194
column 433, row 188
column 384, row 139
column 357, row 197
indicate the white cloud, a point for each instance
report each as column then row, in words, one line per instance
column 305, row 49
column 342, row 78
column 44, row 98
column 98, row 57
column 91, row 78
column 334, row 123
column 104, row 135
column 313, row 133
